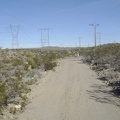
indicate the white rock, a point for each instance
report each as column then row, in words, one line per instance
column 18, row 107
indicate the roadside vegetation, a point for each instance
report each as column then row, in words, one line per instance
column 21, row 68
column 105, row 61
column 18, row 70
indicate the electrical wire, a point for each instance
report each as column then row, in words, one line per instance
column 21, row 20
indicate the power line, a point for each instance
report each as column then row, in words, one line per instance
column 94, row 25
column 45, row 40
column 9, row 14
column 14, row 32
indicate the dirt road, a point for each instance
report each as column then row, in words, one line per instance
column 72, row 92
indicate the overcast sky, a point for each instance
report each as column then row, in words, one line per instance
column 67, row 19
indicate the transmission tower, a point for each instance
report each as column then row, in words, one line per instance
column 45, row 37
column 94, row 25
column 14, row 31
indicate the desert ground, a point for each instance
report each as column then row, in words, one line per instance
column 71, row 92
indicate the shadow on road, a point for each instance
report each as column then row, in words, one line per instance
column 115, row 85
column 102, row 94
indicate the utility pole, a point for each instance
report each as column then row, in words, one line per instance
column 99, row 38
column 79, row 45
column 94, row 25
column 79, row 41
column 15, row 31
column 45, row 40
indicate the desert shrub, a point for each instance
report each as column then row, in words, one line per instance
column 31, row 81
column 50, row 65
column 14, row 68
column 105, row 60
column 3, row 95
column 17, row 62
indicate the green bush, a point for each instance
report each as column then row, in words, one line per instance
column 50, row 65
column 17, row 62
column 31, row 81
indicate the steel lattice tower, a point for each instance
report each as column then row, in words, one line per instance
column 14, row 31
column 45, row 37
